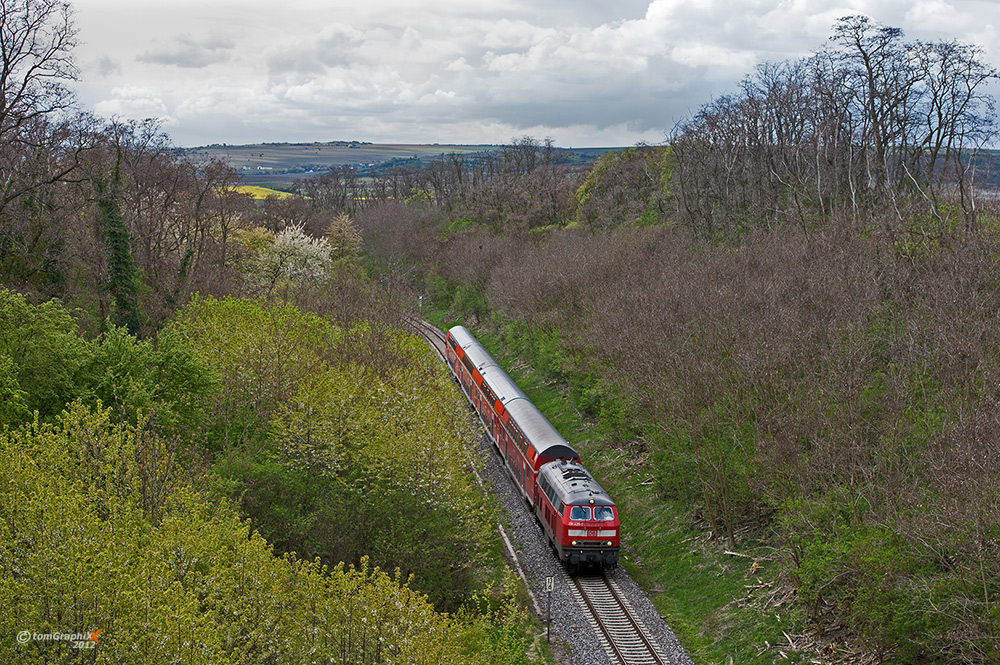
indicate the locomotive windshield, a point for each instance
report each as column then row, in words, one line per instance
column 603, row 513
column 579, row 513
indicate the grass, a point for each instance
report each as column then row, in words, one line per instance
column 718, row 604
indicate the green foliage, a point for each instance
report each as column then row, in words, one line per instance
column 260, row 354
column 46, row 350
column 343, row 239
column 868, row 572
column 625, row 187
column 13, row 408
column 438, row 290
column 167, row 380
column 470, row 301
column 674, row 457
column 56, row 365
column 187, row 581
column 495, row 626
column 925, row 232
column 904, row 595
column 458, row 225
column 360, row 444
column 538, row 344
column 419, row 197
column 117, row 373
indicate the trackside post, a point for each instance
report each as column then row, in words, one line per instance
column 550, row 583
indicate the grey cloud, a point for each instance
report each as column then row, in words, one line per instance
column 107, row 66
column 584, row 12
column 336, row 46
column 189, row 53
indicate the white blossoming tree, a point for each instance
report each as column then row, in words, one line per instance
column 293, row 257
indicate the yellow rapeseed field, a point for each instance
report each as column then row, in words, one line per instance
column 261, row 192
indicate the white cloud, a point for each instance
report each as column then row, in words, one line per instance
column 460, row 65
column 712, row 56
column 581, row 71
column 134, row 103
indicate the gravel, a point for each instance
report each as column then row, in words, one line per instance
column 573, row 639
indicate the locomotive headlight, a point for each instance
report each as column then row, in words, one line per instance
column 610, row 543
column 573, row 543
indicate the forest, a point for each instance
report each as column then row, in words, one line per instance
column 777, row 329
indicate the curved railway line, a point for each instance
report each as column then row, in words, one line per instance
column 626, row 640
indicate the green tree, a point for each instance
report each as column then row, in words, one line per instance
column 47, row 350
column 165, row 380
column 13, row 408
column 343, row 238
column 625, row 186
column 344, row 444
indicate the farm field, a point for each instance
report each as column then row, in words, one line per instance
column 258, row 192
column 282, row 163
column 264, row 163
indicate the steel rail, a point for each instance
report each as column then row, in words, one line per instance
column 625, row 638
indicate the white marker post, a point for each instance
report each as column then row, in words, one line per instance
column 550, row 584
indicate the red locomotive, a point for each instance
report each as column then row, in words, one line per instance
column 578, row 516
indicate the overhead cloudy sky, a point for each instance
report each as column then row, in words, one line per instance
column 582, row 72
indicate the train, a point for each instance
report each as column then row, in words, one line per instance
column 577, row 515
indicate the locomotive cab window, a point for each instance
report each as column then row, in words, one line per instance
column 579, row 513
column 603, row 513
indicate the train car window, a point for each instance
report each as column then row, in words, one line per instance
column 580, row 513
column 603, row 513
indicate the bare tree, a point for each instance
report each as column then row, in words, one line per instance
column 37, row 38
column 868, row 124
column 955, row 116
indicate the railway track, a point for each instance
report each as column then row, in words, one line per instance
column 431, row 334
column 624, row 637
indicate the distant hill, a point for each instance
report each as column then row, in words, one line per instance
column 283, row 163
